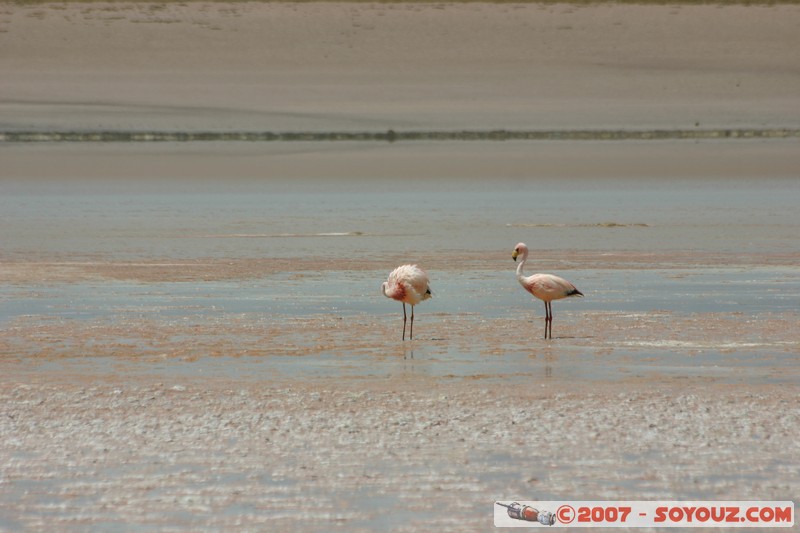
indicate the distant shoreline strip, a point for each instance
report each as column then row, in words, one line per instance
column 396, row 136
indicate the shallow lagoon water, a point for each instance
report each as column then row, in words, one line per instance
column 682, row 276
column 489, row 295
column 253, row 329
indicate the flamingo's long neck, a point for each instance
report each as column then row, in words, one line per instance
column 394, row 290
column 521, row 265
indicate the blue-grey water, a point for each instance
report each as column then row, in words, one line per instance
column 285, row 218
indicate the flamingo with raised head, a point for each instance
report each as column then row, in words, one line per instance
column 546, row 287
column 408, row 284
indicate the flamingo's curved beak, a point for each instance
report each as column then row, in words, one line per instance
column 514, row 255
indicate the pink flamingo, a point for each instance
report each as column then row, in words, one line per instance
column 546, row 287
column 408, row 284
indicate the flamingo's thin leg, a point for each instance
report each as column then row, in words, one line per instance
column 546, row 319
column 404, row 320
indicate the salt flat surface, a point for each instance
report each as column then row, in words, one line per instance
column 192, row 335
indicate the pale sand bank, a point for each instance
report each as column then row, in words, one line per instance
column 366, row 67
column 393, row 166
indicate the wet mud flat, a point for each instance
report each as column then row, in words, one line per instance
column 396, row 136
column 360, row 456
column 135, row 399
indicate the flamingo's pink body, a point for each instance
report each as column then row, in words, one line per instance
column 408, row 284
column 546, row 287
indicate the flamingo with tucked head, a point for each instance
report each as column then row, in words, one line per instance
column 408, row 284
column 546, row 287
